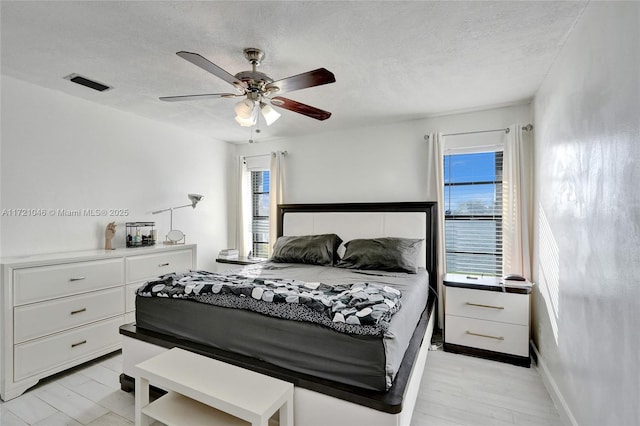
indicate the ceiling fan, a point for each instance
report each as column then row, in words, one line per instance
column 259, row 89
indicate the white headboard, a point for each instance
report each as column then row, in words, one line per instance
column 365, row 220
column 349, row 226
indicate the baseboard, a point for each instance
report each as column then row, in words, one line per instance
column 561, row 405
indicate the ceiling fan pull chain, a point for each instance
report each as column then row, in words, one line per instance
column 258, row 120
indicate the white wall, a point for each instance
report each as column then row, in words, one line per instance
column 61, row 152
column 372, row 164
column 377, row 163
column 354, row 165
column 587, row 247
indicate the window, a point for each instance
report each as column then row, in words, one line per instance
column 260, row 213
column 473, row 213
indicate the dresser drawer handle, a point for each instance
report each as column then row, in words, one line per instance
column 485, row 306
column 77, row 278
column 163, row 264
column 73, row 345
column 78, row 311
column 485, row 335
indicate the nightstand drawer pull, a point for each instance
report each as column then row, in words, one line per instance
column 77, row 278
column 163, row 264
column 73, row 345
column 79, row 311
column 485, row 306
column 485, row 335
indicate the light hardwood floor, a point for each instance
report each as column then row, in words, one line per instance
column 462, row 390
column 455, row 390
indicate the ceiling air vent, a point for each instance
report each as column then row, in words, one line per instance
column 84, row 81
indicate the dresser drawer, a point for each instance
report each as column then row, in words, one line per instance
column 39, row 319
column 63, row 349
column 148, row 266
column 489, row 335
column 489, row 305
column 47, row 282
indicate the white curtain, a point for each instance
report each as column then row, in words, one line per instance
column 276, row 193
column 516, row 202
column 243, row 224
column 436, row 177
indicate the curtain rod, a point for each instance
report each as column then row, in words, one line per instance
column 506, row 130
column 527, row 128
column 264, row 155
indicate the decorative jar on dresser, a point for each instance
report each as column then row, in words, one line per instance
column 487, row 317
column 62, row 309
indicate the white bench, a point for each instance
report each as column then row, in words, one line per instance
column 204, row 391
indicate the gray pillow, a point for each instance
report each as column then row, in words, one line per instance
column 313, row 249
column 382, row 254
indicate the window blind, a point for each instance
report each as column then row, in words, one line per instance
column 260, row 213
column 473, row 213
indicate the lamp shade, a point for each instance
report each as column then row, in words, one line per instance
column 244, row 119
column 246, row 122
column 244, row 109
column 195, row 199
column 270, row 115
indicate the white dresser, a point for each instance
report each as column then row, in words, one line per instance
column 62, row 309
column 485, row 318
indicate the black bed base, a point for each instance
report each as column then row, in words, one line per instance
column 389, row 402
column 128, row 384
column 521, row 361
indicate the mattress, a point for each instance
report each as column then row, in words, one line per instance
column 368, row 362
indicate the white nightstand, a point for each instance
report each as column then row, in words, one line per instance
column 239, row 263
column 487, row 317
column 208, row 392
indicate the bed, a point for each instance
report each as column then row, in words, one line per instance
column 340, row 377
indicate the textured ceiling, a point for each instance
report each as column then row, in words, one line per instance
column 392, row 60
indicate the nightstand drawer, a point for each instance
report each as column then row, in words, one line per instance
column 489, row 335
column 488, row 305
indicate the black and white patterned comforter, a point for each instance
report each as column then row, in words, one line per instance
column 362, row 308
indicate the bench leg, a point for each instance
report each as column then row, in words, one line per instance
column 141, row 400
column 286, row 412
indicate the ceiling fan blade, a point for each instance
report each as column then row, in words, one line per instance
column 300, row 108
column 197, row 97
column 302, row 81
column 209, row 66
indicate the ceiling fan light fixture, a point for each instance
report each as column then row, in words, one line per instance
column 244, row 109
column 270, row 115
column 257, row 88
column 244, row 122
column 248, row 121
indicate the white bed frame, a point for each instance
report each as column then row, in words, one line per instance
column 349, row 221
